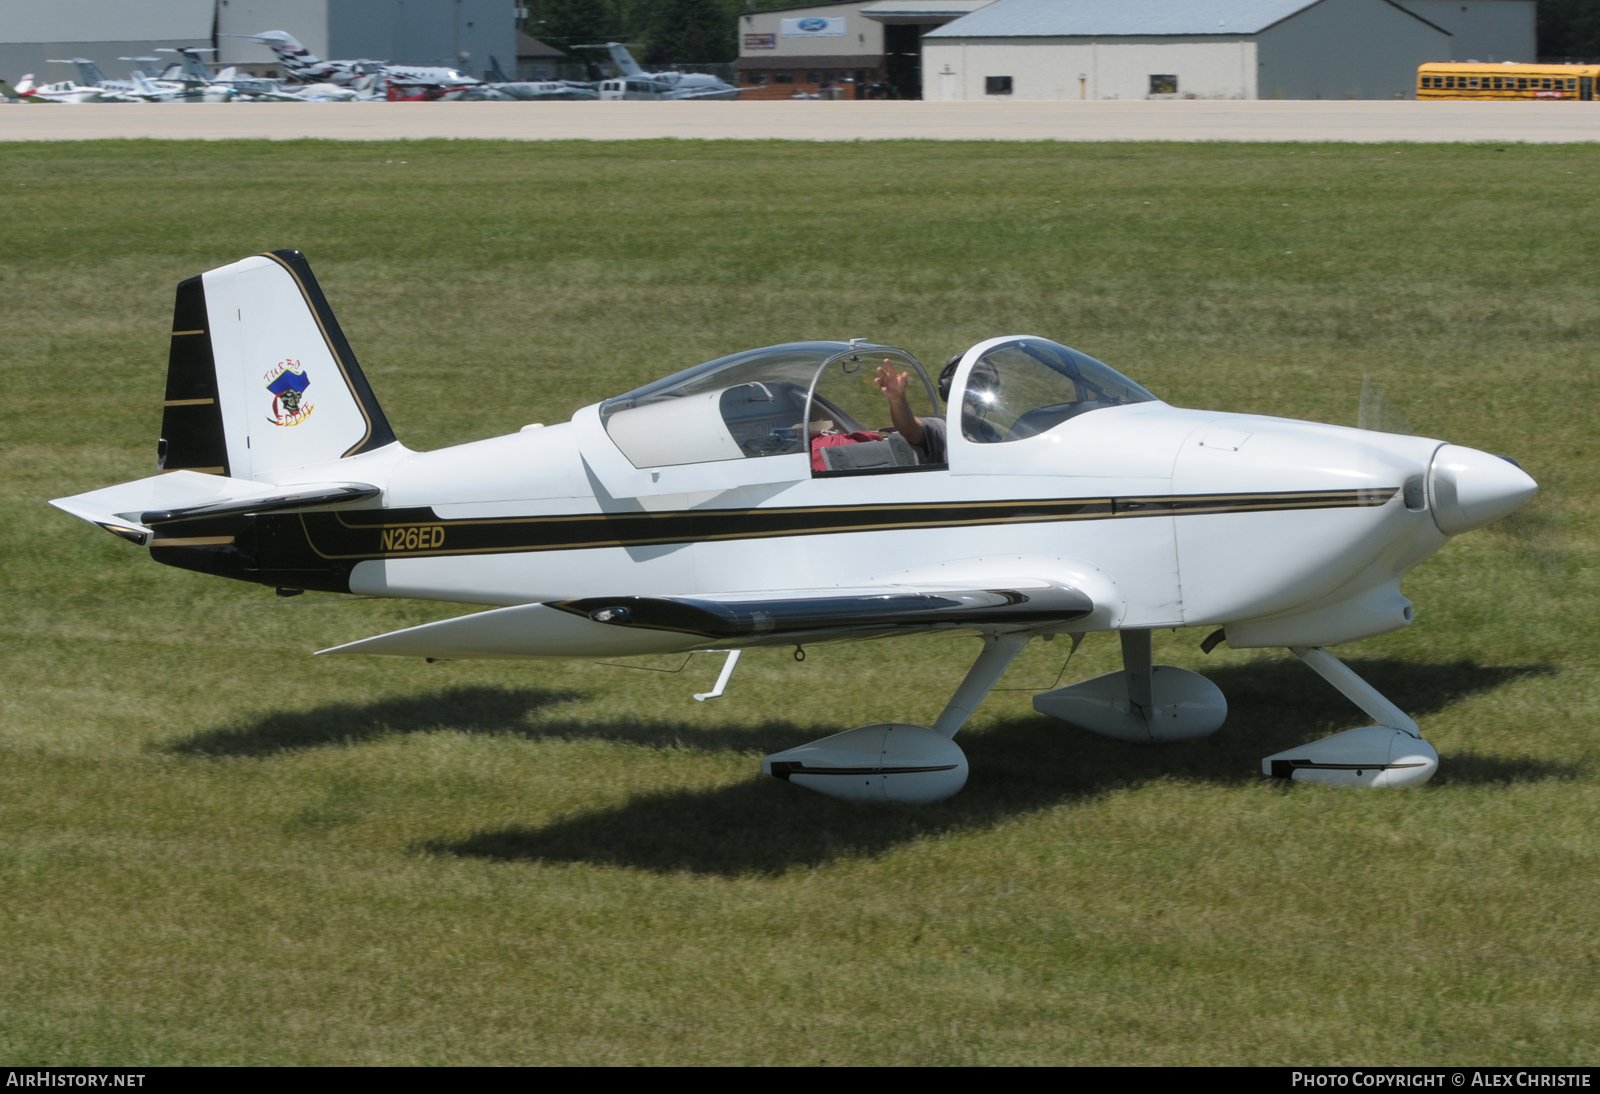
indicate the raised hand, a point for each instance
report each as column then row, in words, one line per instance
column 891, row 381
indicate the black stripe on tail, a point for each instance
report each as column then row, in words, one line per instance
column 192, row 437
column 378, row 431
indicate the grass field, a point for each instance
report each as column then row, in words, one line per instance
column 215, row 849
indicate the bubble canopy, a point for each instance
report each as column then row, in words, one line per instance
column 779, row 400
column 758, row 403
column 1027, row 386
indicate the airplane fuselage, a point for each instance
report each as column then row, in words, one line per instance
column 1170, row 517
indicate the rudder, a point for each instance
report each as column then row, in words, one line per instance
column 192, row 437
column 261, row 377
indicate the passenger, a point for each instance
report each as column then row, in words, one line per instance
column 928, row 434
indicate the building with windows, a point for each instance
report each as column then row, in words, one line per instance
column 1214, row 49
column 853, row 49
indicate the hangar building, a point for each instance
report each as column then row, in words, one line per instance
column 850, row 45
column 32, row 33
column 461, row 33
column 1214, row 49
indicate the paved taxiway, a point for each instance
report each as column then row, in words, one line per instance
column 1180, row 120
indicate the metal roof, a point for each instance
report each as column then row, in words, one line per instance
column 105, row 20
column 801, row 7
column 781, row 62
column 921, row 11
column 1117, row 18
column 530, row 47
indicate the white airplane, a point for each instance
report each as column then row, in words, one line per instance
column 89, row 75
column 756, row 500
column 180, row 90
column 504, row 89
column 300, row 64
column 64, row 91
column 635, row 83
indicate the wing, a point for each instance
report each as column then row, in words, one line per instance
column 622, row 626
column 811, row 612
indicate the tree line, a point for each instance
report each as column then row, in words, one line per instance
column 703, row 31
column 662, row 31
column 1569, row 28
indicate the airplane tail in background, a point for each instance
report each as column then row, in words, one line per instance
column 88, row 72
column 620, row 57
column 298, row 61
column 260, row 377
column 194, row 67
column 623, row 59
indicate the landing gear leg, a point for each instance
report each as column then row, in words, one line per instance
column 1355, row 689
column 895, row 761
column 1142, row 704
column 999, row 650
column 1389, row 754
column 1137, row 669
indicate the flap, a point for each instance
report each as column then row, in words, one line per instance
column 819, row 610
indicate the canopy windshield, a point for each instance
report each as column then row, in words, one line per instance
column 1028, row 386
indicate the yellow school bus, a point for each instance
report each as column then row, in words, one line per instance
column 1507, row 81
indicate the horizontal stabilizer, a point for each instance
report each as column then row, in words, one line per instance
column 296, row 497
column 131, row 509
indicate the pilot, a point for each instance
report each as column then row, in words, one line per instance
column 928, row 434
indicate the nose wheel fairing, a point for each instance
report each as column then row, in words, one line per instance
column 1374, row 757
column 1389, row 755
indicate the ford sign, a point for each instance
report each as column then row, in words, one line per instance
column 811, row 27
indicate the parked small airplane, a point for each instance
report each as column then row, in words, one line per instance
column 400, row 81
column 64, row 91
column 504, row 89
column 89, row 75
column 761, row 499
column 636, row 83
column 179, row 90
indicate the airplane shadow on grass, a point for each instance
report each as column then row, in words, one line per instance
column 1021, row 765
column 764, row 826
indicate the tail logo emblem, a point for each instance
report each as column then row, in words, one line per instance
column 287, row 381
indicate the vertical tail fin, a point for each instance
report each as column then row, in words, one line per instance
column 261, row 377
column 623, row 59
column 296, row 59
